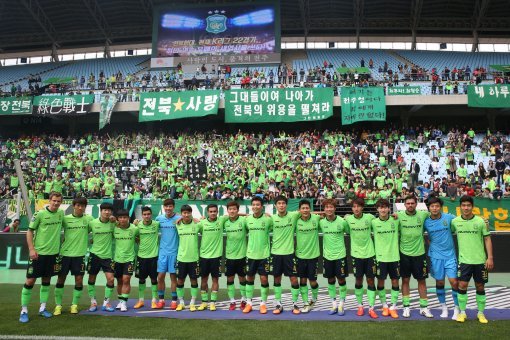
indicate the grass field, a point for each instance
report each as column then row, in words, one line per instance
column 159, row 328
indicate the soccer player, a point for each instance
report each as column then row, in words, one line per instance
column 363, row 255
column 472, row 236
column 443, row 260
column 413, row 260
column 147, row 260
column 101, row 256
column 258, row 226
column 386, row 233
column 187, row 257
column 334, row 254
column 211, row 250
column 167, row 258
column 125, row 235
column 43, row 240
column 307, row 253
column 72, row 254
column 283, row 260
column 235, row 253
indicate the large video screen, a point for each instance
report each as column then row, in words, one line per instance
column 229, row 34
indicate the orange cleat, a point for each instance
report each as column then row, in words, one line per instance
column 372, row 314
column 173, row 305
column 394, row 313
column 247, row 309
column 139, row 304
column 263, row 309
column 385, row 311
column 361, row 311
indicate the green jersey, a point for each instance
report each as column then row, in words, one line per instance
column 360, row 229
column 148, row 247
column 307, row 237
column 258, row 236
column 333, row 243
column 211, row 244
column 188, row 242
column 386, row 239
column 102, row 236
column 283, row 233
column 125, row 243
column 76, row 235
column 411, row 232
column 470, row 238
column 236, row 238
column 47, row 226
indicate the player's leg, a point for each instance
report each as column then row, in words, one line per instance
column 241, row 276
column 126, row 289
column 342, row 285
column 358, row 272
column 173, row 290
column 406, row 271
column 162, row 270
column 303, row 286
column 395, row 291
column 108, row 291
column 294, row 284
column 463, row 286
column 313, row 267
column 153, row 274
column 204, row 289
column 180, row 287
column 231, row 289
column 329, row 274
column 480, row 300
column 141, row 273
column 264, row 291
column 452, row 271
column 44, row 293
column 420, row 274
column 77, row 292
column 194, row 292
column 26, row 294
column 215, row 272
column 252, row 266
column 120, row 283
column 277, row 266
column 59, row 293
column 382, row 274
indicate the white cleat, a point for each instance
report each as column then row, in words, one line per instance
column 123, row 307
column 426, row 312
column 456, row 313
column 444, row 311
column 407, row 312
column 118, row 305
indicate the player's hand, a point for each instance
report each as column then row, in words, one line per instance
column 395, row 216
column 136, row 221
column 178, row 220
column 33, row 255
column 113, row 219
column 267, row 215
column 196, row 220
column 489, row 264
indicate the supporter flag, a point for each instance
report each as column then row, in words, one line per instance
column 489, row 96
column 3, row 213
column 196, row 168
column 108, row 102
column 363, row 104
column 58, row 106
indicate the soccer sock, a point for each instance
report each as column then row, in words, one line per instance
column 264, row 290
column 214, row 296
column 304, row 293
column 295, row 293
column 382, row 295
column 59, row 293
column 441, row 295
column 249, row 291
column 154, row 290
column 124, row 297
column 424, row 303
column 161, row 294
column 278, row 292
column 480, row 300
column 242, row 288
column 406, row 300
column 455, row 295
column 332, row 291
column 394, row 295
column 77, row 294
column 26, row 294
column 141, row 290
column 371, row 296
column 194, row 294
column 462, row 297
column 91, row 289
column 174, row 296
column 342, row 290
column 315, row 292
column 204, row 296
column 44, row 292
column 180, row 293
column 231, row 290
column 107, row 293
column 358, row 291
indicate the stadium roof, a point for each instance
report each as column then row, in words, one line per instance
column 39, row 24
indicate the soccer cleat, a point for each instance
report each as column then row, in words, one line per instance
column 179, row 307
column 311, row 303
column 58, row 310
column 461, row 317
column 444, row 311
column 160, row 304
column 118, row 305
column 456, row 312
column 203, row 306
column 333, row 311
column 173, row 305
column 407, row 312
column 23, row 317
column 192, row 308
column 212, row 306
column 263, row 309
column 45, row 314
column 247, row 309
column 385, row 311
column 107, row 308
column 306, row 309
column 482, row 318
column 372, row 313
column 123, row 307
column 278, row 309
column 73, row 309
column 341, row 310
column 93, row 307
column 243, row 304
column 426, row 312
column 232, row 306
column 139, row 304
column 394, row 313
column 295, row 310
column 154, row 305
column 361, row 311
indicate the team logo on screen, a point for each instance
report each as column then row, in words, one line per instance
column 216, row 23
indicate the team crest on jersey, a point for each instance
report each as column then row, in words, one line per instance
column 392, row 225
column 263, row 224
column 419, row 220
column 367, row 224
column 445, row 223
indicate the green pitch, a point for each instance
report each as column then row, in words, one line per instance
column 158, row 328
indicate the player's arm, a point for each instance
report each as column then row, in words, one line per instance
column 30, row 237
column 489, row 264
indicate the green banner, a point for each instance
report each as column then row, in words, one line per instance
column 488, row 96
column 502, row 68
column 278, row 105
column 360, row 70
column 15, row 106
column 56, row 106
column 496, row 211
column 404, row 90
column 363, row 104
column 108, row 102
column 176, row 105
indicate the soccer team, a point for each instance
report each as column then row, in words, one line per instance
column 387, row 245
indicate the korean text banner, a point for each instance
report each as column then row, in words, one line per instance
column 363, row 104
column 53, row 106
column 278, row 105
column 404, row 90
column 15, row 106
column 176, row 105
column 488, row 96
